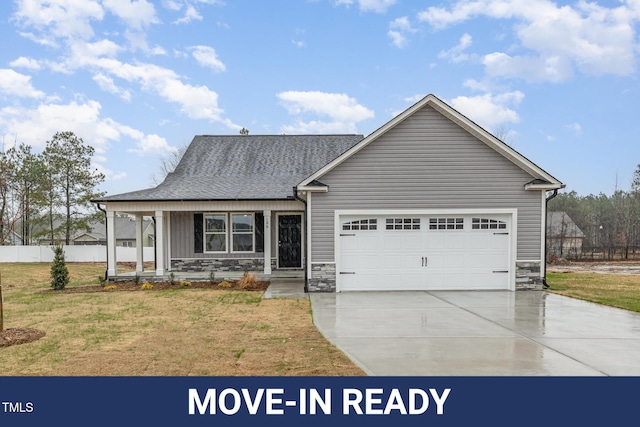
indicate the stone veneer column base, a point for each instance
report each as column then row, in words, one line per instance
column 528, row 276
column 217, row 264
column 323, row 278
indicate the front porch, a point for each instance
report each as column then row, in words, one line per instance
column 196, row 239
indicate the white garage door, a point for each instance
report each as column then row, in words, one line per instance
column 423, row 252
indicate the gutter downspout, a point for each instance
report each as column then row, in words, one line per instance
column 545, row 285
column 106, row 230
column 306, row 257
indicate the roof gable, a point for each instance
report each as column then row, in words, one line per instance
column 541, row 180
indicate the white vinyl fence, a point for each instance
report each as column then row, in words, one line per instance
column 78, row 253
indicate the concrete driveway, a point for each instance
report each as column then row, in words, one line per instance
column 479, row 333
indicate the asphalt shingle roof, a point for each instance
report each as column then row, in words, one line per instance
column 260, row 167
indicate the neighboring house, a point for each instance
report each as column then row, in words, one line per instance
column 564, row 237
column 428, row 201
column 124, row 230
column 97, row 234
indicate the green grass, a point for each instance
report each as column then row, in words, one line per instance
column 616, row 290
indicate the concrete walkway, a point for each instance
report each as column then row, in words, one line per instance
column 481, row 333
column 285, row 288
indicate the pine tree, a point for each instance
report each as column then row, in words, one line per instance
column 59, row 271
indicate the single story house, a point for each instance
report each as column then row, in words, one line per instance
column 564, row 237
column 96, row 235
column 430, row 200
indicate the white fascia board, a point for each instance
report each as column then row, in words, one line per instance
column 313, row 188
column 449, row 112
column 546, row 187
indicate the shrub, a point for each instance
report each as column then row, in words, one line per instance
column 212, row 277
column 224, row 284
column 146, row 286
column 59, row 270
column 172, row 278
column 136, row 279
column 247, row 281
column 185, row 283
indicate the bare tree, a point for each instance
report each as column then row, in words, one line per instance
column 168, row 163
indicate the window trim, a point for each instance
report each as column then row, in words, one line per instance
column 446, row 223
column 205, row 232
column 402, row 224
column 232, row 233
column 478, row 222
column 366, row 224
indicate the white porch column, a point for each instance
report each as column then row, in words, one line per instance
column 267, row 242
column 111, row 243
column 159, row 243
column 139, row 244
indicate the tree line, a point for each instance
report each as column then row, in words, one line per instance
column 611, row 224
column 47, row 195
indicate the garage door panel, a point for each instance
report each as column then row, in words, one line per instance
column 418, row 252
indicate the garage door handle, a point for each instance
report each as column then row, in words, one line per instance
column 500, row 271
column 347, row 272
column 425, row 261
column 347, row 234
column 501, row 234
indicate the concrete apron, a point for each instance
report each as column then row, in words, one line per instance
column 479, row 333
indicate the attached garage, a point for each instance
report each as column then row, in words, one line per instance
column 412, row 250
column 429, row 201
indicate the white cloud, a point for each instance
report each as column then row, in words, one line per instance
column 153, row 144
column 206, row 56
column 59, row 18
column 398, row 39
column 576, row 128
column 16, row 84
column 379, row 6
column 399, row 28
column 24, row 62
column 588, row 37
column 456, row 54
column 107, row 84
column 342, row 111
column 529, row 68
column 490, row 111
column 36, row 126
column 415, row 98
column 191, row 14
column 137, row 14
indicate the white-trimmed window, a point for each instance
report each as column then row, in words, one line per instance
column 446, row 223
column 403, row 224
column 361, row 224
column 242, row 235
column 215, row 232
column 487, row 224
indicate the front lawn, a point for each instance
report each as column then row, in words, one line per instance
column 616, row 290
column 182, row 331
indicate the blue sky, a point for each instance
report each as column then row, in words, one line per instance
column 137, row 79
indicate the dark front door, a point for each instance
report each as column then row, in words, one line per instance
column 290, row 241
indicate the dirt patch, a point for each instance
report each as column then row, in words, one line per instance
column 612, row 267
column 15, row 336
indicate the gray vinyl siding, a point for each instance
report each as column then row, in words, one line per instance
column 426, row 162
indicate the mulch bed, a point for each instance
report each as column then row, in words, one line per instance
column 258, row 285
column 14, row 336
